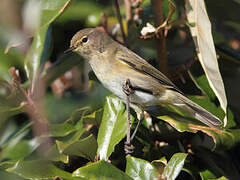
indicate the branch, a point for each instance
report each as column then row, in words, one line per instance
column 120, row 21
column 161, row 43
column 34, row 107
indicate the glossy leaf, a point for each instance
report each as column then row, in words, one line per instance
column 40, row 49
column 113, row 126
column 21, row 149
column 174, row 166
column 100, row 170
column 140, row 169
column 201, row 32
column 38, row 169
column 15, row 140
column 48, row 11
column 38, row 53
column 51, row 10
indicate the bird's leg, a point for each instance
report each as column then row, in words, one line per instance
column 127, row 89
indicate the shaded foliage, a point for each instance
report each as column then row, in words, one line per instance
column 57, row 120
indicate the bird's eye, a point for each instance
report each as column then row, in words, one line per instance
column 84, row 39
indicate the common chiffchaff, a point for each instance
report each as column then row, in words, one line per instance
column 113, row 64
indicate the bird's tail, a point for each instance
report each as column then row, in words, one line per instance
column 200, row 113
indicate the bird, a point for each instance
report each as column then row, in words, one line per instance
column 115, row 64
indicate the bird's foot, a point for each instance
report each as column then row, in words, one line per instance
column 127, row 88
column 128, row 148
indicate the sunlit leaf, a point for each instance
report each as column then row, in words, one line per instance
column 48, row 11
column 51, row 10
column 38, row 53
column 100, row 170
column 174, row 166
column 38, row 169
column 207, row 174
column 113, row 126
column 140, row 169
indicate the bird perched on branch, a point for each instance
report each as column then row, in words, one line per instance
column 117, row 67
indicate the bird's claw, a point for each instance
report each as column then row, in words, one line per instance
column 128, row 148
column 127, row 88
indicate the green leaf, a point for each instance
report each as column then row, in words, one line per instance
column 13, row 58
column 15, row 147
column 86, row 148
column 39, row 52
column 222, row 178
column 202, row 83
column 222, row 139
column 38, row 169
column 94, row 118
column 100, row 170
column 140, row 169
column 207, row 174
column 62, row 145
column 9, row 176
column 51, row 10
column 21, row 149
column 53, row 154
column 91, row 14
column 113, row 126
column 10, row 100
column 63, row 129
column 174, row 166
column 40, row 49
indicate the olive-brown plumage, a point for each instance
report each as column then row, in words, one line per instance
column 113, row 64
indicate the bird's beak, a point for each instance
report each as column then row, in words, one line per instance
column 69, row 49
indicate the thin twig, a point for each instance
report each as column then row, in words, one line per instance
column 120, row 21
column 128, row 10
column 128, row 120
column 40, row 125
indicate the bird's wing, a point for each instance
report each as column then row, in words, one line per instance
column 140, row 65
